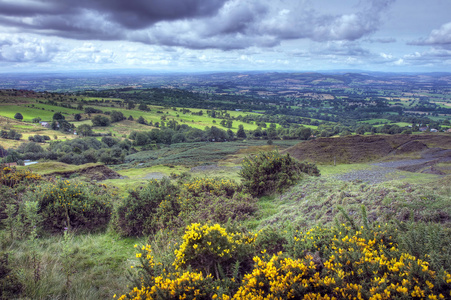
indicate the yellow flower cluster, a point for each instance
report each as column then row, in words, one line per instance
column 368, row 265
column 10, row 176
column 282, row 278
column 187, row 285
column 204, row 245
column 346, row 264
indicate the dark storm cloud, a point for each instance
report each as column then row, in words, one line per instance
column 130, row 14
column 195, row 24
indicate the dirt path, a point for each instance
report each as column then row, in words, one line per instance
column 154, row 175
column 385, row 171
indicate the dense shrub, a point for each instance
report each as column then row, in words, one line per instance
column 216, row 208
column 340, row 262
column 72, row 204
column 269, row 172
column 112, row 156
column 12, row 134
column 137, row 215
column 116, row 116
column 11, row 176
column 215, row 200
column 163, row 205
column 224, row 187
column 166, row 285
column 212, row 249
column 91, row 110
column 100, row 121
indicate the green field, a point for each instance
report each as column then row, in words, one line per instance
column 29, row 113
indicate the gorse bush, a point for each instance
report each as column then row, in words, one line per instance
column 140, row 211
column 158, row 283
column 215, row 200
column 268, row 172
column 212, row 249
column 165, row 205
column 218, row 209
column 339, row 262
column 73, row 205
column 11, row 176
column 215, row 186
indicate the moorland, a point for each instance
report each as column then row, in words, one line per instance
column 225, row 185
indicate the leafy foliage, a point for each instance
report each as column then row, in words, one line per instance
column 18, row 116
column 269, row 172
column 100, row 120
column 211, row 248
column 163, row 205
column 66, row 204
column 338, row 262
column 137, row 215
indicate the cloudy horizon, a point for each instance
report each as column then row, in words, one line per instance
column 225, row 35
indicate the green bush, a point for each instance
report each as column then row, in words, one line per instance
column 269, row 172
column 73, row 205
column 216, row 208
column 137, row 215
column 212, row 249
column 164, row 205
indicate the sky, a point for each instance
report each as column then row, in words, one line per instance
column 225, row 35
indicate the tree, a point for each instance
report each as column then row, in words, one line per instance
column 116, row 116
column 109, row 141
column 141, row 120
column 58, row 116
column 77, row 117
column 36, row 120
column 18, row 116
column 240, row 133
column 130, row 105
column 230, row 135
column 305, row 133
column 84, row 130
column 100, row 121
column 258, row 132
column 215, row 134
column 62, row 125
column 141, row 139
column 143, row 107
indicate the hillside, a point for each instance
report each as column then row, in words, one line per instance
column 357, row 149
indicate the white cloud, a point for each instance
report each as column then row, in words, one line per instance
column 438, row 37
column 13, row 49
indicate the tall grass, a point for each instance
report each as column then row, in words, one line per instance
column 97, row 266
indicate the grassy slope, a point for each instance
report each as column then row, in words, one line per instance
column 316, row 201
column 100, row 261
